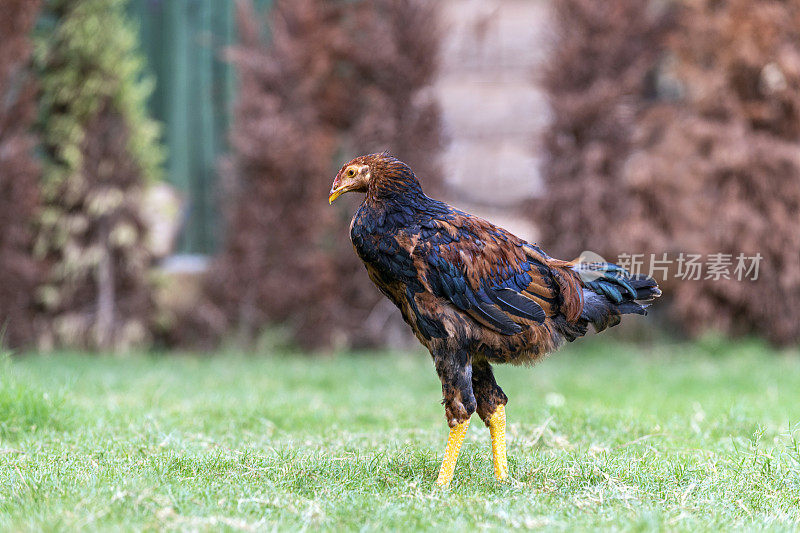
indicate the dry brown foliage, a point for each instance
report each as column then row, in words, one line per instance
column 337, row 79
column 597, row 80
column 19, row 173
column 705, row 160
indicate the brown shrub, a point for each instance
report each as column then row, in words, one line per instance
column 598, row 80
column 337, row 80
column 19, row 174
column 713, row 169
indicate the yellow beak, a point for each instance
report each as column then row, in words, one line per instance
column 336, row 193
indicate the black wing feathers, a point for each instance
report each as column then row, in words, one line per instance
column 493, row 296
column 516, row 304
column 447, row 280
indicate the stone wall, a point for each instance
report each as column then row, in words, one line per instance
column 492, row 110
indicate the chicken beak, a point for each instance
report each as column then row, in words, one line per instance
column 336, row 193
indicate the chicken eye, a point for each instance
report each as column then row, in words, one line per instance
column 351, row 173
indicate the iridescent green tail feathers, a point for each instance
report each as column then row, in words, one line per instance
column 610, row 291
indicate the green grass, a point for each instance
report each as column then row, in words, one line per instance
column 602, row 435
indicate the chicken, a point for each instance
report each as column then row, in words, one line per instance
column 473, row 293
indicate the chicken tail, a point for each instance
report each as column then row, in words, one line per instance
column 610, row 291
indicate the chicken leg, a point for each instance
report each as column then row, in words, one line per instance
column 455, row 373
column 497, row 430
column 454, row 442
column 492, row 410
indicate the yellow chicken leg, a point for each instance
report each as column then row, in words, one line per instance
column 497, row 429
column 454, row 442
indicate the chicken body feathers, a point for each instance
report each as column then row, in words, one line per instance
column 463, row 283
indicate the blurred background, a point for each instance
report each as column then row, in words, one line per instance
column 165, row 164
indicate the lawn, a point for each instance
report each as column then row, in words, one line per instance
column 602, row 435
